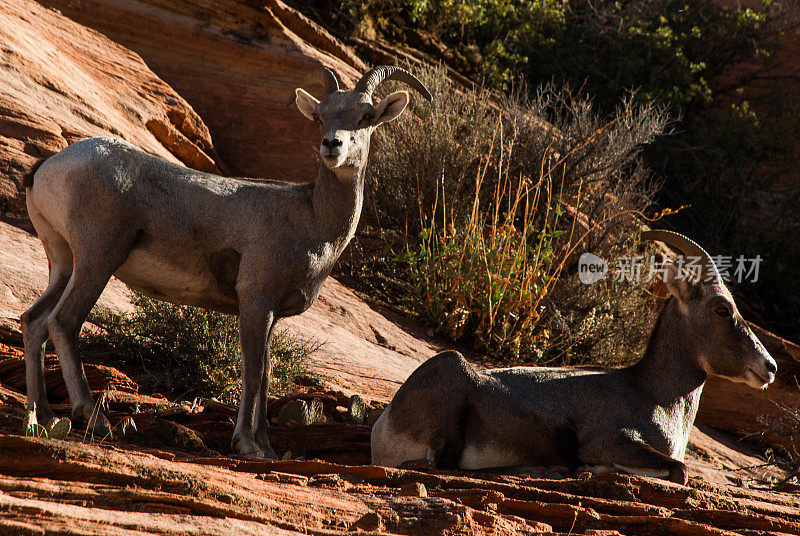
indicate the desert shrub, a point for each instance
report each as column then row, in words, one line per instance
column 732, row 154
column 475, row 202
column 486, row 278
column 191, row 351
column 444, row 145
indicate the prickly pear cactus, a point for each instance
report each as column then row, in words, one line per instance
column 316, row 412
column 357, row 409
column 374, row 414
column 294, row 413
column 55, row 429
column 59, row 428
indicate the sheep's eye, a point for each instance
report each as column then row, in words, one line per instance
column 723, row 310
column 316, row 118
column 367, row 119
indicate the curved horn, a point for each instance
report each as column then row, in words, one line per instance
column 322, row 76
column 689, row 248
column 377, row 75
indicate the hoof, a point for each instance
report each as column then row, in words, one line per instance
column 679, row 474
column 263, row 442
column 95, row 422
column 266, row 450
column 269, row 452
column 248, row 447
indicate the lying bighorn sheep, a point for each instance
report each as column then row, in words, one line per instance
column 102, row 207
column 635, row 420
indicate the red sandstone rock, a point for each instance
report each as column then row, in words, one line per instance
column 100, row 377
column 364, row 350
column 102, row 489
column 60, row 82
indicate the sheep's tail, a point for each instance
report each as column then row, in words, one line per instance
column 27, row 178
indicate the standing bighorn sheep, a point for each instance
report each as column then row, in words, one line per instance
column 635, row 420
column 102, row 207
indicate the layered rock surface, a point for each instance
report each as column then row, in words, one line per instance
column 89, row 487
column 166, row 476
column 60, row 82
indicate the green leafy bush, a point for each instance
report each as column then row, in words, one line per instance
column 192, row 351
column 669, row 50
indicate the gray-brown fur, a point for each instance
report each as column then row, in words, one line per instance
column 260, row 249
column 636, row 419
column 27, row 178
column 466, row 407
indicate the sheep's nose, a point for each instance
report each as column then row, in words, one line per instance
column 771, row 366
column 331, row 142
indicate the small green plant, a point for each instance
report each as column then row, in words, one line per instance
column 55, row 429
column 187, row 350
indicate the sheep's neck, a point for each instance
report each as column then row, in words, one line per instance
column 669, row 370
column 337, row 206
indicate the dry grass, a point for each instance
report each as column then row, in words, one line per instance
column 487, row 280
column 485, row 204
column 787, row 425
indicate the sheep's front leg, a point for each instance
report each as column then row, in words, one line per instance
column 256, row 316
column 627, row 455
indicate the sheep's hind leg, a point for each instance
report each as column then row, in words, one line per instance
column 34, row 320
column 427, row 416
column 261, row 418
column 83, row 290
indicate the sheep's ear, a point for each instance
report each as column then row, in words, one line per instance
column 305, row 103
column 391, row 107
column 677, row 283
